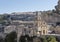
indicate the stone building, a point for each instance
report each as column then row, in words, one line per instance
column 56, row 29
column 42, row 27
column 27, row 24
column 9, row 29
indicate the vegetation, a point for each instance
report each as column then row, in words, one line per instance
column 36, row 39
column 44, row 39
column 25, row 38
column 1, row 19
column 1, row 39
column 11, row 37
column 52, row 39
column 49, row 39
column 4, row 19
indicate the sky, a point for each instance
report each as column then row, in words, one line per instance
column 9, row 6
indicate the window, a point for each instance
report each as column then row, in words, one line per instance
column 43, row 31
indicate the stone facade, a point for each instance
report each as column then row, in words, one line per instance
column 41, row 25
column 9, row 28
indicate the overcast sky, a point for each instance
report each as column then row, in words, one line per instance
column 9, row 6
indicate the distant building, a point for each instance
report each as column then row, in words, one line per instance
column 41, row 25
column 9, row 28
column 57, row 29
column 27, row 24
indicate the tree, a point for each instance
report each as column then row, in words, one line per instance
column 51, row 39
column 25, row 38
column 11, row 37
column 44, row 39
column 36, row 39
column 22, row 39
column 1, row 39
